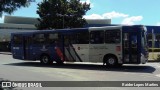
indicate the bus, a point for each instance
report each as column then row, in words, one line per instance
column 153, row 38
column 110, row 45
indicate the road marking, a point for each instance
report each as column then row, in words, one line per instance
column 158, row 66
column 158, row 75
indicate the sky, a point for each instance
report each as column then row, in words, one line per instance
column 130, row 12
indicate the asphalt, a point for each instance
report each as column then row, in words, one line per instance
column 17, row 70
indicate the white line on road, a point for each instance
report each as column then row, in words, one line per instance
column 158, row 66
column 158, row 75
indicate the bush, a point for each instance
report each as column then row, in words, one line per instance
column 158, row 58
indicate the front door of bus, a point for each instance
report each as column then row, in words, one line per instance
column 26, row 47
column 130, row 43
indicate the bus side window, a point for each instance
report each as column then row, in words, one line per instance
column 97, row 37
column 17, row 40
column 112, row 36
column 82, row 38
column 53, row 38
column 73, row 39
column 39, row 39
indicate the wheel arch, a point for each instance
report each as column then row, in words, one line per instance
column 43, row 54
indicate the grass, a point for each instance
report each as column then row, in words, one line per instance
column 154, row 56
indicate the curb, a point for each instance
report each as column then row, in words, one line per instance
column 6, row 53
column 153, row 60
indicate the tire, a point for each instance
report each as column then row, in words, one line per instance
column 119, row 65
column 111, row 61
column 59, row 62
column 45, row 59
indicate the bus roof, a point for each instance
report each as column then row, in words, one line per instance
column 50, row 31
column 105, row 27
column 76, row 29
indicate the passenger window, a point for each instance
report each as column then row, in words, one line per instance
column 79, row 38
column 97, row 37
column 73, row 38
column 112, row 36
column 83, row 38
column 52, row 38
column 39, row 38
column 17, row 40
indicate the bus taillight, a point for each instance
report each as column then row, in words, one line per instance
column 118, row 48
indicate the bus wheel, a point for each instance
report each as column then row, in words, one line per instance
column 45, row 59
column 119, row 65
column 111, row 61
column 59, row 62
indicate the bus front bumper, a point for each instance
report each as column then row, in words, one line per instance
column 144, row 59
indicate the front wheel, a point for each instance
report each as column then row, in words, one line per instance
column 59, row 62
column 45, row 59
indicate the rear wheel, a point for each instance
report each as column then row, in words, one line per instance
column 111, row 61
column 59, row 62
column 45, row 59
column 119, row 65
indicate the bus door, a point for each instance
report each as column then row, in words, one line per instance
column 130, row 47
column 27, row 49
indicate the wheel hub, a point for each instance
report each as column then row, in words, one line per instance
column 111, row 61
column 45, row 59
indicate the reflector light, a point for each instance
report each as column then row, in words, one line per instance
column 118, row 48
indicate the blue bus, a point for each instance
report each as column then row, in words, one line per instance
column 110, row 45
column 153, row 38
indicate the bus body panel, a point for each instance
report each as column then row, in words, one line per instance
column 97, row 52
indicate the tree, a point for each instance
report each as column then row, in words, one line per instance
column 9, row 6
column 57, row 14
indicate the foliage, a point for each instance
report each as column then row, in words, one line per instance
column 8, row 6
column 158, row 58
column 57, row 14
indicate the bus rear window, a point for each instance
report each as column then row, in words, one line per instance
column 17, row 40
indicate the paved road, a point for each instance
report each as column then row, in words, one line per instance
column 16, row 70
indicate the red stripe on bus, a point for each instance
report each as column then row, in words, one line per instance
column 59, row 53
